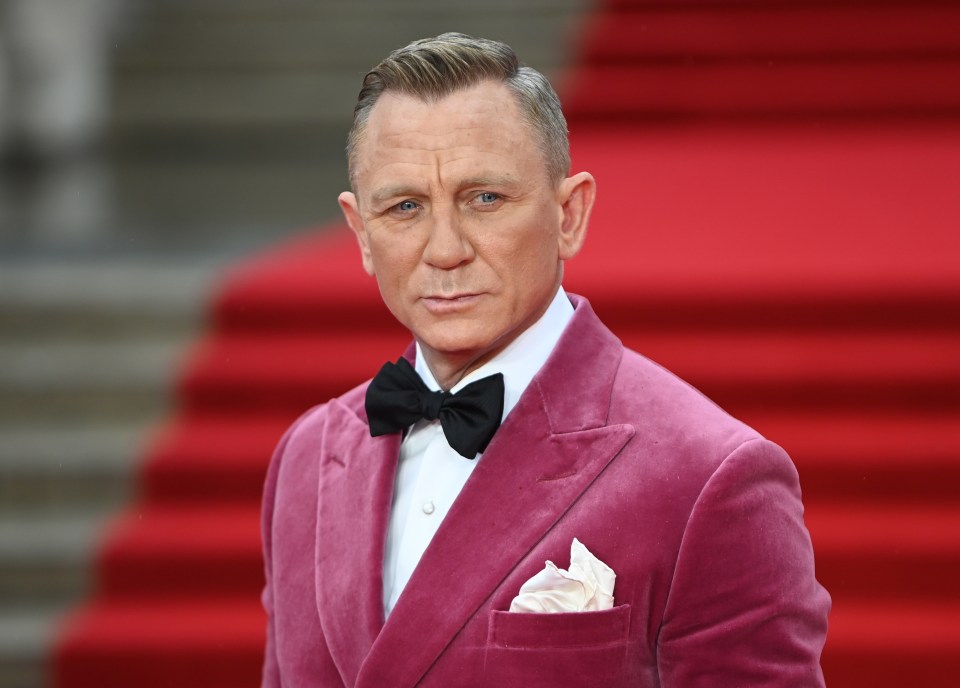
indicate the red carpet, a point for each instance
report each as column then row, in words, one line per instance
column 805, row 272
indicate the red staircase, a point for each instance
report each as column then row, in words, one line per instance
column 778, row 222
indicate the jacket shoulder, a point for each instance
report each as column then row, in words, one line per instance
column 672, row 412
column 314, row 419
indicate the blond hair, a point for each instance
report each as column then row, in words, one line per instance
column 432, row 68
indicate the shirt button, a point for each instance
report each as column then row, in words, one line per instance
column 428, row 508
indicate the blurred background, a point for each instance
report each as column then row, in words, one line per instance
column 145, row 145
column 778, row 223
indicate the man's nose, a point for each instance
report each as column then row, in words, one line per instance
column 447, row 245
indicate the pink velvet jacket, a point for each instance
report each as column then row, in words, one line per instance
column 698, row 515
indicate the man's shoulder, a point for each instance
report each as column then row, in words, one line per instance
column 353, row 400
column 647, row 394
column 313, row 421
column 642, row 392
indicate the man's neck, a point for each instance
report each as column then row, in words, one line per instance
column 448, row 371
column 450, row 368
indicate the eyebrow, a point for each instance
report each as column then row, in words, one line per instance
column 381, row 195
column 498, row 180
column 389, row 192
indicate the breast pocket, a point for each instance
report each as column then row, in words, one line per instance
column 577, row 649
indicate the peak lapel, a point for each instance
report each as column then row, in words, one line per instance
column 506, row 507
column 547, row 452
column 356, row 489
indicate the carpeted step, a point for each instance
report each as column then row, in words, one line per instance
column 893, row 551
column 219, row 643
column 668, row 274
column 210, row 550
column 852, row 455
column 830, row 212
column 282, row 373
column 289, row 372
column 214, row 643
column 892, row 644
column 772, row 59
column 789, row 369
column 764, row 88
column 211, row 457
column 291, row 288
column 632, row 32
column 862, row 456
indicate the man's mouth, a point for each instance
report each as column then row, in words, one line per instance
column 443, row 303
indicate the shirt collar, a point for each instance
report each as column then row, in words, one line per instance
column 521, row 359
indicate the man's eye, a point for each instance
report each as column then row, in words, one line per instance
column 406, row 206
column 488, row 197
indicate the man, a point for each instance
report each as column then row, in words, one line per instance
column 400, row 523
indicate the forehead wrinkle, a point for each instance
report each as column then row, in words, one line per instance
column 486, row 174
column 397, row 185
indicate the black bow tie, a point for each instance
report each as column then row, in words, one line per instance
column 397, row 398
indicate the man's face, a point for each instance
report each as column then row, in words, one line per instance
column 459, row 222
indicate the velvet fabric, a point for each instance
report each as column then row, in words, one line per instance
column 698, row 515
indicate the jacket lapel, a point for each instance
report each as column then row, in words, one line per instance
column 356, row 490
column 548, row 451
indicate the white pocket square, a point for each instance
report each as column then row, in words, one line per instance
column 587, row 586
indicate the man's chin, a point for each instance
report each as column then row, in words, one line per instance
column 443, row 343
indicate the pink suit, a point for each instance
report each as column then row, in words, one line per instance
column 698, row 515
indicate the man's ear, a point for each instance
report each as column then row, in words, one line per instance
column 576, row 195
column 351, row 212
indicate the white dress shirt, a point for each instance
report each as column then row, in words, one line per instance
column 430, row 474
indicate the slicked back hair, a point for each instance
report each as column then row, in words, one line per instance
column 432, row 68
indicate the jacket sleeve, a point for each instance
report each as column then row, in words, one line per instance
column 744, row 608
column 271, row 668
